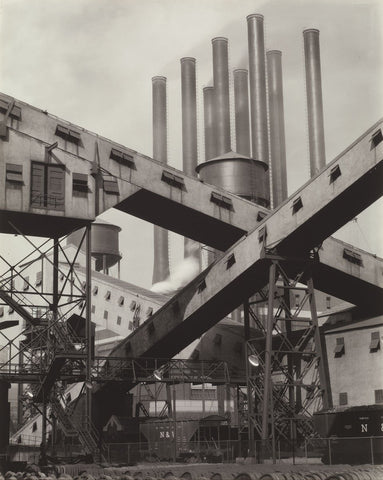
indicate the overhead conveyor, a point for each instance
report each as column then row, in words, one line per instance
column 91, row 174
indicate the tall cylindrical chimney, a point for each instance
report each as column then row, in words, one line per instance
column 258, row 105
column 314, row 100
column 277, row 126
column 209, row 123
column 189, row 133
column 160, row 153
column 221, row 94
column 189, row 115
column 241, row 106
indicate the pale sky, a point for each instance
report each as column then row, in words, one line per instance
column 91, row 62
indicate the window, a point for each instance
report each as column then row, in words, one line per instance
column 221, row 200
column 130, row 326
column 376, row 138
column 80, row 184
column 133, row 304
column 105, row 314
column 14, row 174
column 95, row 290
column 261, row 215
column 352, row 257
column 201, row 287
column 230, row 261
column 118, row 320
column 34, row 427
column 14, row 113
column 297, row 205
column 1, row 311
column 343, row 398
column 47, row 186
column 26, row 284
column 375, row 342
column 339, row 348
column 111, row 185
column 121, row 301
column 68, row 134
column 379, row 396
column 173, row 180
column 335, row 173
column 328, row 302
column 93, row 308
column 123, row 158
column 108, row 295
column 39, row 279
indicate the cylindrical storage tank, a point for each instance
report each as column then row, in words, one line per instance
column 209, row 123
column 104, row 241
column 241, row 106
column 221, row 94
column 277, row 127
column 160, row 153
column 314, row 100
column 237, row 174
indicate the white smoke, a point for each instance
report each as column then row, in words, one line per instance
column 182, row 274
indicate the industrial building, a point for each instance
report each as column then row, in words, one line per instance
column 284, row 322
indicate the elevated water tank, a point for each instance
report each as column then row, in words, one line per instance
column 105, row 244
column 238, row 174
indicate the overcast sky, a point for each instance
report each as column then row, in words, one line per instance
column 91, row 62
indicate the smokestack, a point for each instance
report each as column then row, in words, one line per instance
column 189, row 133
column 189, row 115
column 221, row 94
column 209, row 123
column 314, row 100
column 241, row 106
column 258, row 106
column 160, row 153
column 277, row 126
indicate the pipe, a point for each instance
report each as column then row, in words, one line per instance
column 314, row 100
column 221, row 94
column 258, row 105
column 277, row 126
column 209, row 123
column 189, row 134
column 241, row 107
column 161, row 246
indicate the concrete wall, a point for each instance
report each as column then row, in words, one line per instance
column 358, row 372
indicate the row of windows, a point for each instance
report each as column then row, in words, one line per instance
column 134, row 306
column 343, row 397
column 374, row 345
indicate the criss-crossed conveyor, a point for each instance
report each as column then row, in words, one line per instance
column 113, row 176
column 349, row 184
column 116, row 176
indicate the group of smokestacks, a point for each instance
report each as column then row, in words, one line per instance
column 258, row 95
